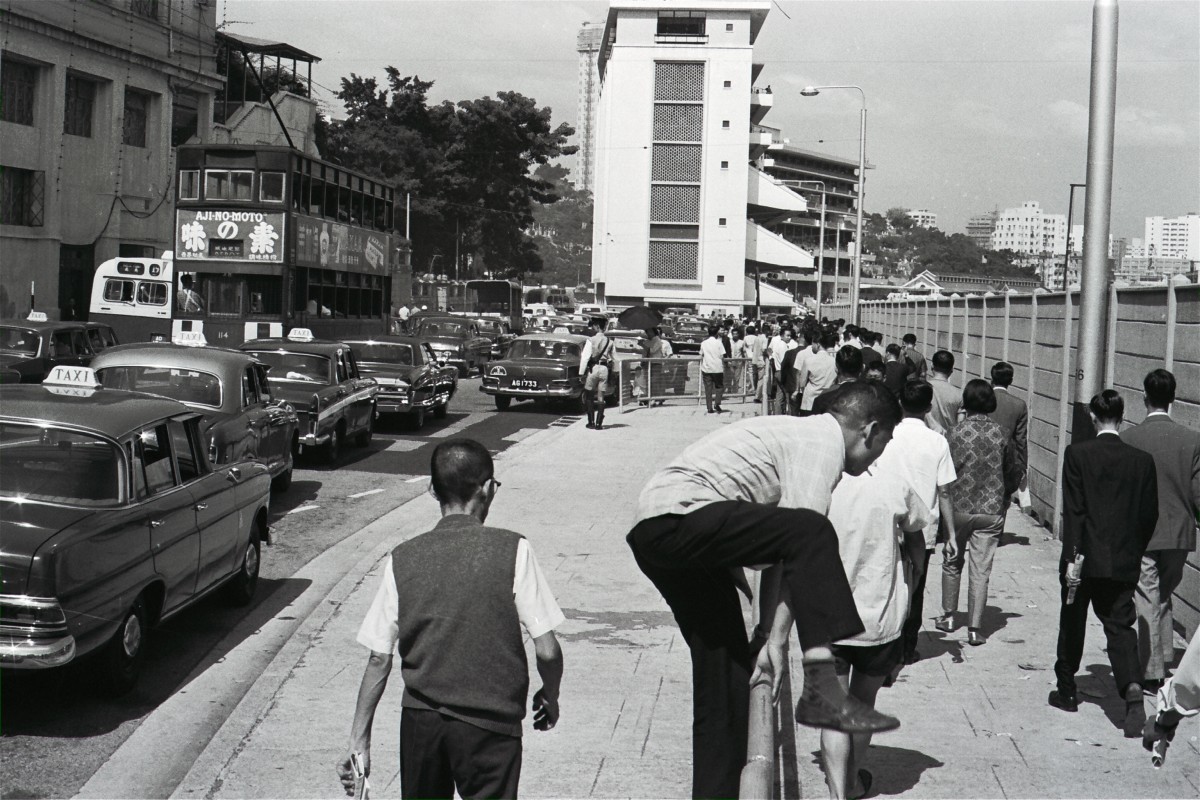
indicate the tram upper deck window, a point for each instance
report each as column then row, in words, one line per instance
column 228, row 184
column 189, row 184
column 270, row 187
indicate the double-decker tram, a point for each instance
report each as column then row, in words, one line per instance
column 268, row 238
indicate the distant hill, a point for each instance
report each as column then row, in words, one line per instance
column 903, row 248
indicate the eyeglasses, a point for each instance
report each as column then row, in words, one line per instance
column 495, row 485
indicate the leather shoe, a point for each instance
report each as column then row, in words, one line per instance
column 1135, row 712
column 846, row 714
column 944, row 624
column 975, row 638
column 1066, row 702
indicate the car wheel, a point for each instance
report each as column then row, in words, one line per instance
column 284, row 479
column 502, row 403
column 363, row 439
column 241, row 589
column 417, row 418
column 124, row 653
column 439, row 411
column 333, row 448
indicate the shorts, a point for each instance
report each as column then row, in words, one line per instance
column 873, row 660
column 597, row 380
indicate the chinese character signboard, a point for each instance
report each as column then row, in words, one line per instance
column 229, row 236
column 338, row 246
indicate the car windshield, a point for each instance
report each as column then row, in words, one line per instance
column 441, row 327
column 58, row 466
column 21, row 341
column 284, row 367
column 190, row 386
column 384, row 352
column 543, row 348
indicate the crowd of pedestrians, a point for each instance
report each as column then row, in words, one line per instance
column 867, row 459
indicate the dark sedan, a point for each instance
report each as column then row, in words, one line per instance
column 539, row 366
column 411, row 381
column 456, row 341
column 32, row 347
column 687, row 337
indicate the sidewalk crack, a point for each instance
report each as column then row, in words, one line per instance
column 972, row 724
column 595, row 780
column 1018, row 749
column 988, row 697
column 650, row 719
column 998, row 783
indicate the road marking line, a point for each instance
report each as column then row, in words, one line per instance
column 302, row 508
column 417, row 479
column 364, row 494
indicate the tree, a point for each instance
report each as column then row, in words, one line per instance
column 907, row 249
column 469, row 167
column 563, row 230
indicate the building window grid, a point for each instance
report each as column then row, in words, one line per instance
column 676, row 164
column 22, row 197
column 80, row 101
column 17, row 91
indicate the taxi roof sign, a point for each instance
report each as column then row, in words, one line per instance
column 78, row 377
column 37, row 316
column 300, row 335
column 189, row 339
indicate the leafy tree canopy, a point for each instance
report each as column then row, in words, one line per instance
column 903, row 248
column 562, row 230
column 469, row 166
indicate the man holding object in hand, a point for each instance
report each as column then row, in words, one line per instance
column 453, row 602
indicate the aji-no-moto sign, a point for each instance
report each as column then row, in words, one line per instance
column 229, row 236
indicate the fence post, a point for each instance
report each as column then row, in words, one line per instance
column 1172, row 313
column 1033, row 320
column 1064, row 414
column 983, row 334
column 966, row 340
column 1110, row 354
column 950, row 324
column 1007, row 317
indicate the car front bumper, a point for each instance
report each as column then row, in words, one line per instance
column 512, row 391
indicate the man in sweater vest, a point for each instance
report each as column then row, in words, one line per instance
column 453, row 602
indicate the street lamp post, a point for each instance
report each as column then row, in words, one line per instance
column 856, row 280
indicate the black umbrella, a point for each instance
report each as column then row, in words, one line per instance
column 639, row 318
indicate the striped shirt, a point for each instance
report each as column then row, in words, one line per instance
column 791, row 462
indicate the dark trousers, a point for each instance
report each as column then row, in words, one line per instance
column 714, row 388
column 689, row 558
column 1112, row 601
column 912, row 624
column 440, row 753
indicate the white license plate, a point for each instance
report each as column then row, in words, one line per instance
column 523, row 384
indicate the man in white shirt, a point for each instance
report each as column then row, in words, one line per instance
column 596, row 362
column 712, row 370
column 922, row 457
column 778, row 347
column 872, row 514
column 818, row 372
column 403, row 314
column 453, row 602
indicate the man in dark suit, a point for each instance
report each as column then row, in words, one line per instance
column 1011, row 413
column 1110, row 507
column 1176, row 453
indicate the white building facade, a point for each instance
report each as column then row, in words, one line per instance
column 1173, row 237
column 923, row 218
column 1030, row 231
column 673, row 182
column 587, row 44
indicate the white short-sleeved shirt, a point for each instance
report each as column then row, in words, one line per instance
column 922, row 457
column 870, row 512
column 536, row 607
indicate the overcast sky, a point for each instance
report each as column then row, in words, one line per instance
column 972, row 105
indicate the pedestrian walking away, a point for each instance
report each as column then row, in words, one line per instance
column 596, row 364
column 712, row 369
column 1110, row 508
column 1012, row 415
column 754, row 494
column 1176, row 452
column 914, row 357
column 947, row 398
column 452, row 602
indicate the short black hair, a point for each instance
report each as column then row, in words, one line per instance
column 1002, row 373
column 916, row 397
column 979, row 397
column 829, row 339
column 1160, row 388
column 893, row 349
column 750, row 329
column 860, row 402
column 459, row 467
column 910, row 338
column 714, row 330
column 849, row 361
column 1108, row 406
column 874, row 371
column 943, row 361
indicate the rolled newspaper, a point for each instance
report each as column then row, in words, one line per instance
column 1074, row 569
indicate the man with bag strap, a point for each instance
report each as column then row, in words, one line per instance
column 594, row 364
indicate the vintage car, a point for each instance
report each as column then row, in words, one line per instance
column 539, row 365
column 456, row 341
column 242, row 420
column 101, row 336
column 320, row 379
column 113, row 520
column 687, row 337
column 36, row 345
column 499, row 331
column 410, row 379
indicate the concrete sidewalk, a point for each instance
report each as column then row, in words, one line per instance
column 975, row 720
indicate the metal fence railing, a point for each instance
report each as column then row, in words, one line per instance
column 677, row 378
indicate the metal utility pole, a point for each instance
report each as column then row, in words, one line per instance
column 1093, row 295
column 1070, row 213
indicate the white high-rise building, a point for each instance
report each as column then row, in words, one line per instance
column 1173, row 237
column 923, row 217
column 587, row 44
column 675, row 195
column 1030, row 231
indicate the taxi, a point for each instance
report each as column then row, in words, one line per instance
column 35, row 345
column 113, row 520
column 334, row 402
column 456, row 341
column 242, row 418
column 539, row 365
column 687, row 336
column 411, row 381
